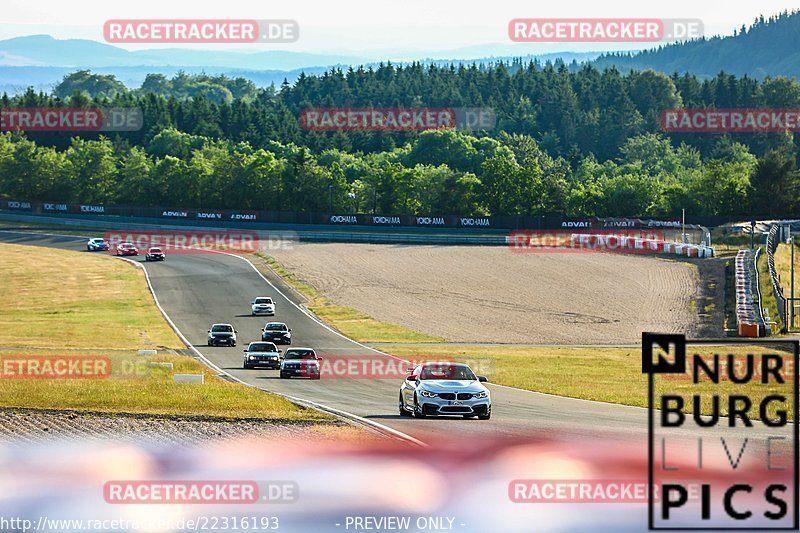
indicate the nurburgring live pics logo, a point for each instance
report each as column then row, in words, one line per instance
column 737, row 433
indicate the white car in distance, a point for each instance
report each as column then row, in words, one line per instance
column 262, row 305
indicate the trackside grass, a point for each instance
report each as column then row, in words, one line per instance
column 603, row 374
column 72, row 299
column 62, row 304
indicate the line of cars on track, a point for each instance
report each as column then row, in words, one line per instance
column 296, row 362
column 432, row 389
column 98, row 244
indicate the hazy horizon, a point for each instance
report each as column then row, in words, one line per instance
column 418, row 30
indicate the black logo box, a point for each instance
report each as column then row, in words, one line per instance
column 678, row 366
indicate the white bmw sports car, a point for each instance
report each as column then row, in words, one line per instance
column 435, row 389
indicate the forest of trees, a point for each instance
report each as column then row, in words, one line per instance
column 577, row 143
column 768, row 47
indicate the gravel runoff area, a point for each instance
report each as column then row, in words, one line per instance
column 493, row 295
column 28, row 426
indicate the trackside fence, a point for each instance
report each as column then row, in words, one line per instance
column 773, row 239
column 749, row 317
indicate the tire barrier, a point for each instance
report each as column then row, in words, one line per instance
column 749, row 317
column 773, row 239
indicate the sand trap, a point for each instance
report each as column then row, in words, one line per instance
column 490, row 294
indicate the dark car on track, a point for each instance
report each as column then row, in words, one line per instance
column 221, row 334
column 264, row 354
column 277, row 332
column 301, row 363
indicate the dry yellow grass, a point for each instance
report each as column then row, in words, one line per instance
column 65, row 304
column 76, row 300
column 603, row 374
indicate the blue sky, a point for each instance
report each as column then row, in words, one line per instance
column 377, row 26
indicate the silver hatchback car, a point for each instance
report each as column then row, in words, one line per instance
column 435, row 389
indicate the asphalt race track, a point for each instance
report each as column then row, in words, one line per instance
column 198, row 290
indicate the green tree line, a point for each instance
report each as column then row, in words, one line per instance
column 439, row 172
column 583, row 142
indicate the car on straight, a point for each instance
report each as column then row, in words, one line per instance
column 96, row 244
column 127, row 248
column 262, row 305
column 222, row 334
column 301, row 363
column 154, row 254
column 277, row 332
column 435, row 389
column 264, row 354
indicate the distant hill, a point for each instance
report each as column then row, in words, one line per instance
column 40, row 61
column 44, row 50
column 769, row 47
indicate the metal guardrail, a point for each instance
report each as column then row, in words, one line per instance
column 310, row 236
column 773, row 240
column 749, row 314
column 401, row 238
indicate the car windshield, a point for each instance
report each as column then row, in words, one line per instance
column 221, row 329
column 275, row 327
column 155, row 250
column 447, row 371
column 263, row 300
column 262, row 347
column 299, row 354
column 98, row 241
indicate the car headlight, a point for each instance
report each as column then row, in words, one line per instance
column 252, row 358
column 481, row 395
column 428, row 394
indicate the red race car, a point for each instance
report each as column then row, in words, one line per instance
column 127, row 248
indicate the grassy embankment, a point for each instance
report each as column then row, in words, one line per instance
column 66, row 303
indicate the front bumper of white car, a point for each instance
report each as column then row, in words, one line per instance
column 452, row 403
